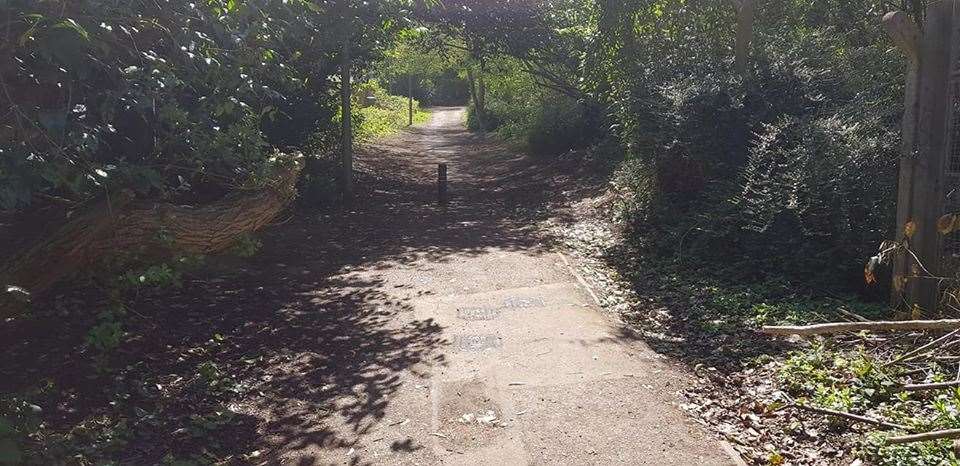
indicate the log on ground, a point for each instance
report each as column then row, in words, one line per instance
column 121, row 225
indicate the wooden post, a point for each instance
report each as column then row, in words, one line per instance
column 923, row 165
column 442, row 183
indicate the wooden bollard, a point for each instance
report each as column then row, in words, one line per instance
column 442, row 183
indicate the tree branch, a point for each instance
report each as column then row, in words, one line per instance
column 840, row 327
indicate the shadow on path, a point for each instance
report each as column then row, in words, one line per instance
column 265, row 355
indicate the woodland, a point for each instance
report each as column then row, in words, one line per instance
column 747, row 156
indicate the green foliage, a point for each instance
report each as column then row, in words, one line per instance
column 318, row 184
column 10, row 450
column 432, row 74
column 936, row 453
column 156, row 276
column 105, row 336
column 213, row 379
column 854, row 381
column 209, row 372
column 204, row 426
column 790, row 172
column 246, row 246
column 381, row 114
column 539, row 119
column 18, row 420
column 174, row 100
column 635, row 185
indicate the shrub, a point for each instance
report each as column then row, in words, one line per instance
column 791, row 172
column 381, row 114
column 541, row 120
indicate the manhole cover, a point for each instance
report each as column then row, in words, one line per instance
column 423, row 280
column 475, row 343
column 520, row 302
column 478, row 313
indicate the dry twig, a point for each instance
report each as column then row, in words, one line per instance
column 923, row 348
column 934, row 435
column 839, row 327
column 851, row 416
column 930, row 386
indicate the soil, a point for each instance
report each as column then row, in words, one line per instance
column 399, row 331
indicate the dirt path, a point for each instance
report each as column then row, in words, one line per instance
column 455, row 336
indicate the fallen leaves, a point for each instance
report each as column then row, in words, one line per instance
column 910, row 229
column 741, row 405
column 948, row 224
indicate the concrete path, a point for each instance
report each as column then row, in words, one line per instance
column 522, row 367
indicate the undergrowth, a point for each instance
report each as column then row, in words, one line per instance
column 98, row 431
column 852, row 378
column 707, row 313
column 382, row 114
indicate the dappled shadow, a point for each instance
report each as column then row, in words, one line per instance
column 701, row 318
column 305, row 344
column 283, row 350
column 497, row 195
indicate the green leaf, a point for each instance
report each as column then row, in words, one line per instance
column 73, row 26
column 10, row 452
column 6, row 428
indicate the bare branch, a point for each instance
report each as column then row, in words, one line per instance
column 930, row 386
column 850, row 416
column 840, row 327
column 935, row 435
column 923, row 348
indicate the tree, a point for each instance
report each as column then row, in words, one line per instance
column 746, row 9
column 412, row 59
column 481, row 29
column 170, row 103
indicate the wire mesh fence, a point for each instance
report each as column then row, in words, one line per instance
column 950, row 257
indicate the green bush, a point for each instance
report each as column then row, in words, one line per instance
column 380, row 114
column 788, row 173
column 541, row 120
column 177, row 99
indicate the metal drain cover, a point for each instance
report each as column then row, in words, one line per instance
column 478, row 313
column 519, row 302
column 476, row 343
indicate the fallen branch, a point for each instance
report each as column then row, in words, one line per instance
column 919, row 387
column 840, row 327
column 124, row 227
column 856, row 317
column 923, row 348
column 935, row 435
column 851, row 416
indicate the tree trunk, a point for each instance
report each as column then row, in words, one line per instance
column 481, row 85
column 921, row 199
column 477, row 101
column 746, row 13
column 346, row 134
column 410, row 99
column 122, row 226
column 906, row 35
